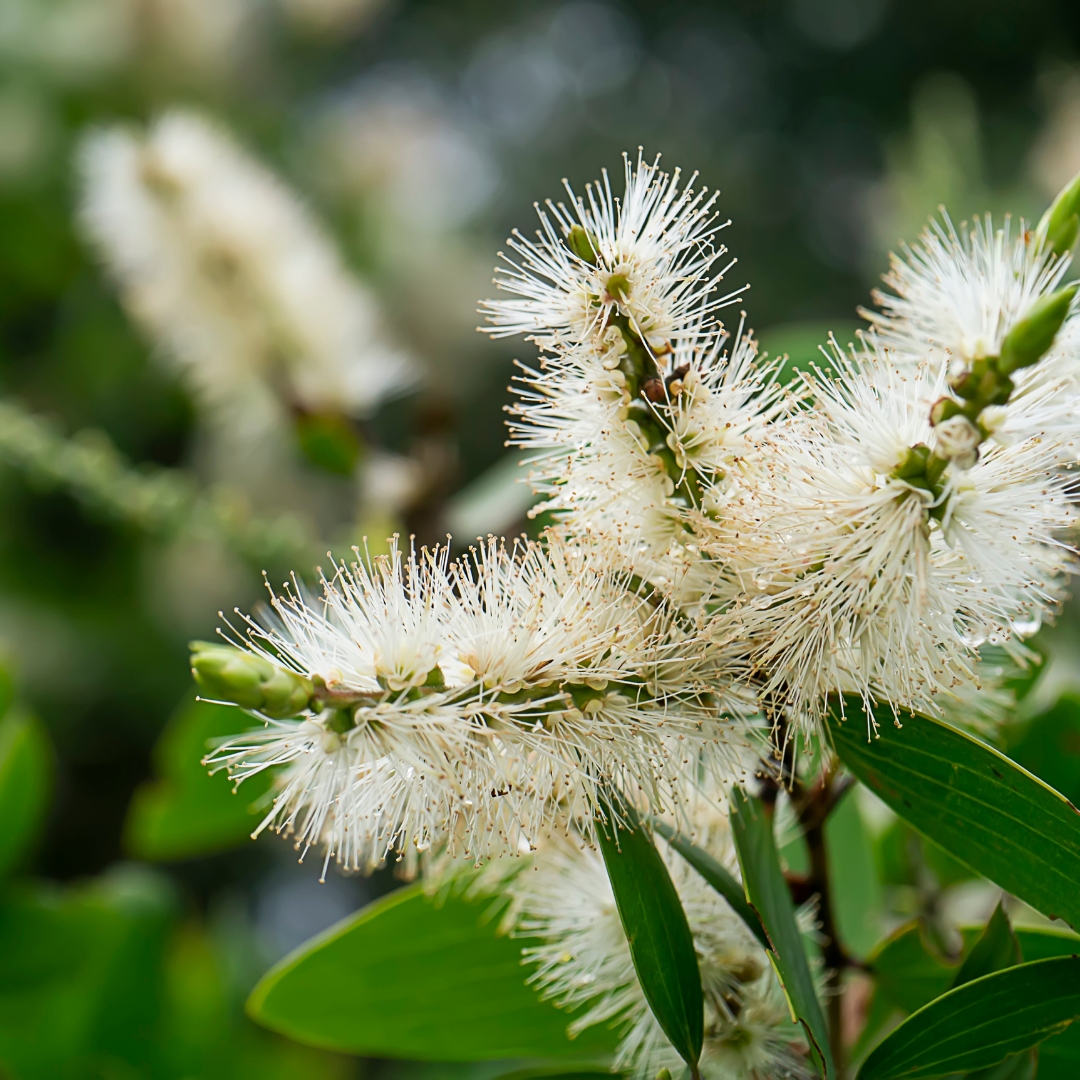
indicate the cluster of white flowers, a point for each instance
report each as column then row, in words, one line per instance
column 470, row 705
column 726, row 546
column 863, row 530
column 229, row 272
column 582, row 961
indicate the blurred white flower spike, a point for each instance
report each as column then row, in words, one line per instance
column 230, row 275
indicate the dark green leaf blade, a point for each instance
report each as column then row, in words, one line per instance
column 996, row 949
column 981, row 1023
column 768, row 894
column 661, row 944
column 26, row 768
column 982, row 808
column 717, row 876
column 403, row 978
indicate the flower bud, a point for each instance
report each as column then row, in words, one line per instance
column 1060, row 225
column 228, row 674
column 1030, row 339
column 945, row 408
column 582, row 244
column 958, row 440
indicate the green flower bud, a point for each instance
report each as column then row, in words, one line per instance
column 943, row 409
column 582, row 244
column 228, row 674
column 1030, row 339
column 1060, row 225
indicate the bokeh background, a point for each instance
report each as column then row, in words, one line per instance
column 419, row 133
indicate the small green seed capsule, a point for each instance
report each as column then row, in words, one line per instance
column 1060, row 225
column 582, row 244
column 228, row 674
column 1030, row 339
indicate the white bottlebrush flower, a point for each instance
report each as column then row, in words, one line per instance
column 228, row 271
column 583, row 961
column 952, row 299
column 473, row 705
column 647, row 258
column 880, row 585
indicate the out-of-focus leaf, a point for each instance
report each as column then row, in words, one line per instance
column 802, row 343
column 1049, row 746
column 81, row 975
column 661, row 944
column 404, row 978
column 554, row 1073
column 717, row 876
column 855, row 888
column 981, row 807
column 188, row 812
column 900, row 850
column 981, row 1023
column 26, row 770
column 768, row 894
column 908, row 971
column 995, row 950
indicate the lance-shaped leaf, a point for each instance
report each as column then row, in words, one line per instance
column 996, row 949
column 769, row 896
column 661, row 944
column 982, row 808
column 981, row 1023
column 716, row 875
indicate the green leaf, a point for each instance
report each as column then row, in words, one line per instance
column 768, row 894
column 1059, row 1056
column 716, row 875
column 81, row 974
column 661, row 944
column 26, row 773
column 404, row 978
column 907, row 969
column 1049, row 746
column 981, row 1023
column 569, row 1072
column 996, row 949
column 856, row 891
column 188, row 812
column 982, row 808
column 1018, row 1067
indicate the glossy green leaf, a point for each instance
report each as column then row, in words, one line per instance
column 768, row 894
column 405, row 978
column 187, row 812
column 717, row 876
column 26, row 772
column 985, row 810
column 1059, row 1056
column 981, row 1023
column 1018, row 1067
column 661, row 944
column 995, row 950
